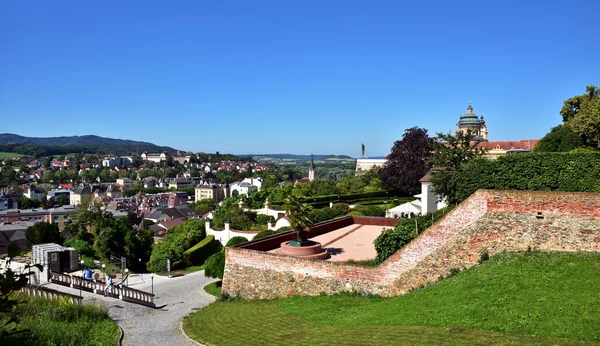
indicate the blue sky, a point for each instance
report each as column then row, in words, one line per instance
column 290, row 77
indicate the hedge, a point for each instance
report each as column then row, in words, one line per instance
column 269, row 232
column 236, row 241
column 343, row 198
column 214, row 266
column 572, row 172
column 197, row 254
column 370, row 210
column 392, row 240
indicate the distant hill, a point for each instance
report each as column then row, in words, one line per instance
column 73, row 144
column 288, row 158
column 10, row 138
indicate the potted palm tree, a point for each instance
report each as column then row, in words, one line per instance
column 300, row 217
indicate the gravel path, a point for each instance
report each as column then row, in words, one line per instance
column 175, row 298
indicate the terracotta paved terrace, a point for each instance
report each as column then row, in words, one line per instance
column 351, row 242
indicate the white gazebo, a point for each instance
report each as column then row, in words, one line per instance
column 407, row 208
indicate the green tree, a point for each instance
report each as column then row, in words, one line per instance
column 43, row 232
column 110, row 237
column 61, row 200
column 174, row 244
column 582, row 114
column 300, row 217
column 28, row 203
column 138, row 247
column 560, row 139
column 449, row 155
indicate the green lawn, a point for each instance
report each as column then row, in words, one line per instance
column 4, row 155
column 214, row 288
column 185, row 270
column 60, row 322
column 513, row 299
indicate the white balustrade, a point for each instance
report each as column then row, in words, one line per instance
column 98, row 287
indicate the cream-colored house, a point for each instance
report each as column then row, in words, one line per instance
column 78, row 194
column 216, row 192
column 154, row 157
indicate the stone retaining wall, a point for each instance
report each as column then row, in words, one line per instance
column 489, row 220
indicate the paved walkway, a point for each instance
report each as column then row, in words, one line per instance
column 175, row 298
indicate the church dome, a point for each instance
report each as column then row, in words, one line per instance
column 469, row 119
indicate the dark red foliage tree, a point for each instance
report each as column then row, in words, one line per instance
column 408, row 162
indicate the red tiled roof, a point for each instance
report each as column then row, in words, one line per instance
column 171, row 223
column 507, row 145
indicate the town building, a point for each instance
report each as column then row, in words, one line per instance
column 80, row 193
column 33, row 192
column 367, row 164
column 8, row 203
column 182, row 157
column 216, row 192
column 180, row 183
column 154, row 157
column 125, row 183
column 242, row 188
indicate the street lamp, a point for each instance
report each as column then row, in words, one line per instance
column 127, row 277
column 140, row 268
column 82, row 276
column 152, row 277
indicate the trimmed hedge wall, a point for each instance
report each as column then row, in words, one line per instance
column 533, row 171
column 349, row 198
column 197, row 254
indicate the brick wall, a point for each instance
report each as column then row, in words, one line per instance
column 489, row 220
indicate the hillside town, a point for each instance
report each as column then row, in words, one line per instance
column 280, row 173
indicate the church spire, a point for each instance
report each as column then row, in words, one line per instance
column 311, row 169
column 470, row 108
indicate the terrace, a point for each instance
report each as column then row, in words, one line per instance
column 346, row 238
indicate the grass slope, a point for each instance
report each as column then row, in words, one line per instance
column 534, row 298
column 60, row 322
column 214, row 288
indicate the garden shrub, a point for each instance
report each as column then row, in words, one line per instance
column 341, row 208
column 262, row 219
column 236, row 241
column 264, row 234
column 392, row 240
column 214, row 266
column 355, row 213
column 197, row 254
